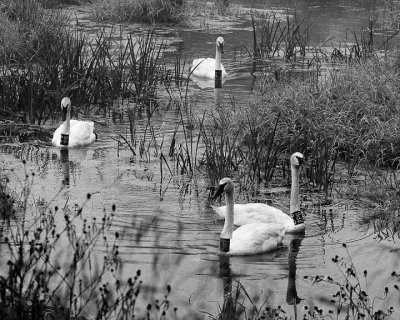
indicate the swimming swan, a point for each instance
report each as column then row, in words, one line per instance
column 261, row 212
column 205, row 67
column 251, row 238
column 73, row 133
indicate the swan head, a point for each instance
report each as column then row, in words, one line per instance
column 296, row 159
column 225, row 185
column 220, row 44
column 65, row 107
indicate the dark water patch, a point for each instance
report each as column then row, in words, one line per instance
column 11, row 132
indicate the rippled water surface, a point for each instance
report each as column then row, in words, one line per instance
column 181, row 246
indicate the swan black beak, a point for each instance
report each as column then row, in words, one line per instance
column 64, row 112
column 219, row 191
column 301, row 160
column 221, row 45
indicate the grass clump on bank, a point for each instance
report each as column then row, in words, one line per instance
column 28, row 31
column 151, row 11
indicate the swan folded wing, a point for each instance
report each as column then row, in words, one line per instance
column 196, row 62
column 82, row 131
column 256, row 212
column 205, row 68
column 256, row 238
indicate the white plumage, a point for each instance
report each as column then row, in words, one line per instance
column 205, row 67
column 263, row 213
column 256, row 212
column 250, row 239
column 81, row 133
column 256, row 238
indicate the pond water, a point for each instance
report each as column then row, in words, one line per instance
column 181, row 247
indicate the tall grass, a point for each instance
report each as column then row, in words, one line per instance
column 274, row 37
column 145, row 66
column 86, row 69
column 352, row 117
column 184, row 152
column 32, row 28
column 180, row 157
column 171, row 11
column 219, row 138
column 238, row 304
column 380, row 189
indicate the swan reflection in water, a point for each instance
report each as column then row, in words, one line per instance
column 69, row 160
column 291, row 293
column 228, row 310
column 228, row 307
column 64, row 155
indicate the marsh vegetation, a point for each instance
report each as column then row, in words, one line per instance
column 338, row 106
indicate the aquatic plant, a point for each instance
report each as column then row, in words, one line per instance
column 145, row 72
column 184, row 152
column 352, row 300
column 29, row 31
column 6, row 199
column 380, row 188
column 40, row 279
column 87, row 70
column 219, row 136
column 181, row 156
column 139, row 10
column 273, row 37
column 238, row 304
column 350, row 117
column 52, row 270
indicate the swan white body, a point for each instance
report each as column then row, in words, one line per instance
column 205, row 67
column 263, row 213
column 256, row 238
column 81, row 133
column 250, row 239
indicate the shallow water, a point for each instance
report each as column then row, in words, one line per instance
column 181, row 247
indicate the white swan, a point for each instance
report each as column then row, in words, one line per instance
column 205, row 67
column 261, row 212
column 73, row 133
column 254, row 238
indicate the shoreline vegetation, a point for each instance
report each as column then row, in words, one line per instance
column 352, row 117
column 139, row 11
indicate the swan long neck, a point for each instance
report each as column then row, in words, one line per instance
column 294, row 193
column 228, row 226
column 66, row 128
column 67, row 122
column 218, row 58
